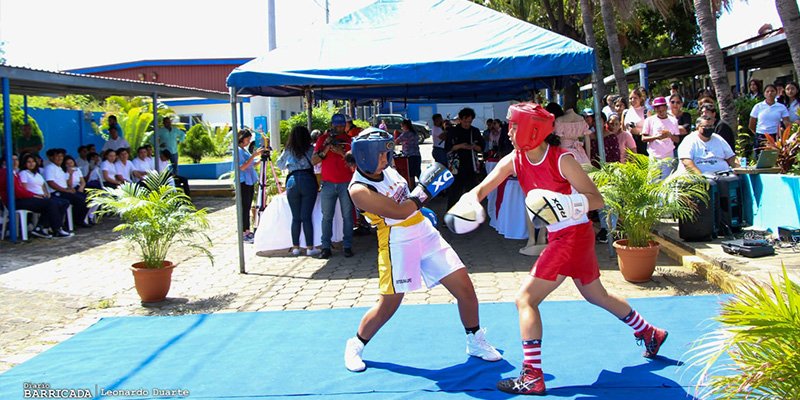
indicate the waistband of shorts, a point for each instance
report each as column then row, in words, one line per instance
column 414, row 219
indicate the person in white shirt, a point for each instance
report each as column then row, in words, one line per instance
column 705, row 152
column 115, row 141
column 57, row 182
column 766, row 117
column 35, row 183
column 141, row 164
column 82, row 162
column 108, row 172
column 439, row 137
column 124, row 166
column 74, row 174
column 94, row 179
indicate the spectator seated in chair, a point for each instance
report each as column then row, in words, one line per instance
column 57, row 182
column 31, row 194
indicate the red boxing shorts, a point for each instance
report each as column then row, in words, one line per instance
column 569, row 252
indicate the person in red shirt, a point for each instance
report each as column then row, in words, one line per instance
column 559, row 194
column 329, row 150
column 51, row 210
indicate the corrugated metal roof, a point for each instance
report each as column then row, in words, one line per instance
column 161, row 63
column 38, row 82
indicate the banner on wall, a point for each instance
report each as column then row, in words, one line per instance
column 261, row 129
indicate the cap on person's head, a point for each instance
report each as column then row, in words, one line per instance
column 588, row 112
column 338, row 120
column 659, row 101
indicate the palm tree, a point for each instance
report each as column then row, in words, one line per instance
column 790, row 17
column 614, row 47
column 705, row 10
column 587, row 12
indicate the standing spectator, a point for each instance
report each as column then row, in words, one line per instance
column 30, row 193
column 704, row 151
column 463, row 142
column 660, row 132
column 791, row 100
column 574, row 135
column 766, row 117
column 168, row 139
column 382, row 125
column 123, row 166
column 779, row 87
column 720, row 127
column 646, row 96
column 57, row 182
column 609, row 107
column 28, row 143
column 410, row 141
column 675, row 89
column 754, row 89
column 108, row 171
column 329, row 151
column 247, row 178
column 82, row 162
column 112, row 123
column 301, row 187
column 115, row 141
column 683, row 118
column 349, row 127
column 633, row 119
column 439, row 136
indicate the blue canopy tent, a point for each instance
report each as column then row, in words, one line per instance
column 417, row 50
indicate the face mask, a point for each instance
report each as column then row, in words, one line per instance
column 707, row 132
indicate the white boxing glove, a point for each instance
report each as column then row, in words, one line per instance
column 547, row 207
column 466, row 215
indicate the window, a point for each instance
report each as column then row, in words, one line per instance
column 189, row 120
column 283, row 115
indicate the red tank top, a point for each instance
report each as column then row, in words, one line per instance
column 544, row 175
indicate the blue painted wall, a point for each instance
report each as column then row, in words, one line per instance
column 66, row 129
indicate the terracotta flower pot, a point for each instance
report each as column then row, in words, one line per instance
column 637, row 264
column 152, row 284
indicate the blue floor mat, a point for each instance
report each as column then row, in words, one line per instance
column 419, row 354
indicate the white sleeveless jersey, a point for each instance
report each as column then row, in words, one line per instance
column 392, row 185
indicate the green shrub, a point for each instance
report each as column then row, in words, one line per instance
column 197, row 144
column 320, row 119
column 221, row 139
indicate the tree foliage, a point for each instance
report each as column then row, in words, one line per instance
column 135, row 116
column 198, row 143
column 17, row 120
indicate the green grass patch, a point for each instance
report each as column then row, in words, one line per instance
column 206, row 159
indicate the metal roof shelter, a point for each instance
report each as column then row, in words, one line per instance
column 27, row 81
column 768, row 50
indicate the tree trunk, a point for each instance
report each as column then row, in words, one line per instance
column 790, row 17
column 614, row 48
column 588, row 30
column 707, row 22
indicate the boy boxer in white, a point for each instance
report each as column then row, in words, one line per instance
column 410, row 250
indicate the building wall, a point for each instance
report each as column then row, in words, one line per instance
column 211, row 77
column 214, row 113
column 66, row 129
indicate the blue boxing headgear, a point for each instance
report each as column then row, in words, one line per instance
column 368, row 145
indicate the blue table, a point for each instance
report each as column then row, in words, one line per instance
column 771, row 200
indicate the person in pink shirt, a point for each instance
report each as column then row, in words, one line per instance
column 661, row 132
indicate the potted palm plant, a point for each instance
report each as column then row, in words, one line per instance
column 156, row 216
column 634, row 193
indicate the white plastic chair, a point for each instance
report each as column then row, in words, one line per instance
column 21, row 219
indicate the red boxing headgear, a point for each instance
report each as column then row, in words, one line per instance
column 533, row 122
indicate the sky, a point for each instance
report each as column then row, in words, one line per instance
column 59, row 34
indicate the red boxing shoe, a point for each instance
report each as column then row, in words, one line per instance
column 653, row 338
column 529, row 381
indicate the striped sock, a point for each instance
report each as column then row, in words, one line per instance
column 636, row 321
column 532, row 352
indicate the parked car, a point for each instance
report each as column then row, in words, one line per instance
column 393, row 123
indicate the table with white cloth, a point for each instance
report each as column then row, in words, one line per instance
column 506, row 208
column 275, row 227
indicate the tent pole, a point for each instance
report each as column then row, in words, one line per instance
column 598, row 119
column 156, row 150
column 236, row 185
column 309, row 108
column 643, row 78
column 738, row 75
column 241, row 116
column 12, row 205
column 25, row 107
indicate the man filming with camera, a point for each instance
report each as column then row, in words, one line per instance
column 330, row 150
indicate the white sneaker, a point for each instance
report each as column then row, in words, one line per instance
column 477, row 346
column 352, row 355
column 295, row 252
column 313, row 252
